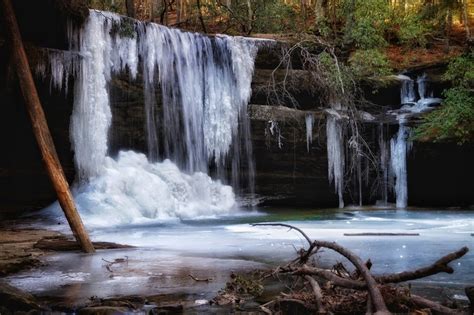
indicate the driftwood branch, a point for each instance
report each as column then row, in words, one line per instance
column 375, row 300
column 438, row 308
column 200, row 279
column 305, row 254
column 291, row 227
column 441, row 265
column 317, row 294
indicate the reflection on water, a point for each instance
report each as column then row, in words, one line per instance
column 167, row 253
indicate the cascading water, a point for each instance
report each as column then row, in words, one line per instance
column 205, row 84
column 205, row 87
column 400, row 144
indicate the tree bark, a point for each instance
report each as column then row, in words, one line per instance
column 201, row 19
column 466, row 20
column 372, row 286
column 40, row 128
column 320, row 10
column 317, row 294
column 130, row 5
column 249, row 17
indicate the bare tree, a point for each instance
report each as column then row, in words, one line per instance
column 130, row 6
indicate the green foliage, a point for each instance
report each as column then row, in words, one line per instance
column 334, row 77
column 242, row 284
column 461, row 71
column 117, row 6
column 124, row 28
column 274, row 17
column 455, row 119
column 412, row 30
column 366, row 22
column 369, row 63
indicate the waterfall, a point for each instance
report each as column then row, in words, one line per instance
column 205, row 88
column 400, row 144
column 309, row 120
column 407, row 93
column 399, row 148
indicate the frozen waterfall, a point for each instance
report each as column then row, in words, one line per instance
column 400, row 144
column 205, row 88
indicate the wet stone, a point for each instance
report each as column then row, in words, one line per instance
column 13, row 299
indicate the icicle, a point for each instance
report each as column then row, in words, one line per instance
column 59, row 66
column 274, row 130
column 309, row 130
column 335, row 148
column 90, row 122
column 384, row 154
column 400, row 146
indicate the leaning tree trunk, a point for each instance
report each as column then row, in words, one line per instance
column 466, row 20
column 201, row 18
column 130, row 5
column 320, row 10
column 40, row 127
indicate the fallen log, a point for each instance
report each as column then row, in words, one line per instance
column 40, row 128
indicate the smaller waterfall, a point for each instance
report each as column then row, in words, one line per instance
column 400, row 144
column 399, row 148
column 309, row 120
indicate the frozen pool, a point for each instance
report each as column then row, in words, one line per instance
column 167, row 253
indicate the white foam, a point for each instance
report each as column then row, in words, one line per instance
column 131, row 190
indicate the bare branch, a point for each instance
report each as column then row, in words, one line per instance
column 317, row 294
